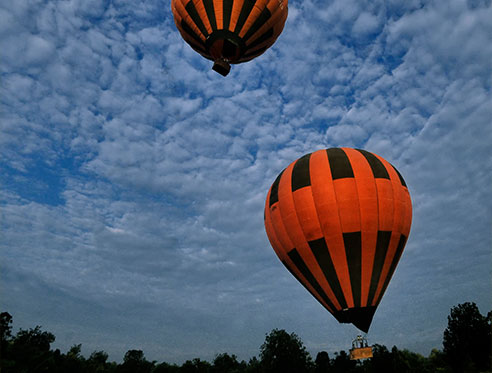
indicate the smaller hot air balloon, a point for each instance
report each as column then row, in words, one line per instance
column 338, row 219
column 229, row 31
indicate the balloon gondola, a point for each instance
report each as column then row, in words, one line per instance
column 338, row 219
column 229, row 31
column 360, row 349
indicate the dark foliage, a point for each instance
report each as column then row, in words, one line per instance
column 467, row 339
column 467, row 349
column 284, row 353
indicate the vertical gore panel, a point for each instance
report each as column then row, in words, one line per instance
column 243, row 16
column 339, row 164
column 190, row 8
column 396, row 258
column 209, row 8
column 353, row 250
column 227, row 13
column 377, row 166
column 302, row 267
column 274, row 192
column 322, row 255
column 348, row 204
column 305, row 209
column 381, row 250
column 260, row 21
column 300, row 173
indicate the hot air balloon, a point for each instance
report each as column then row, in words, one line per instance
column 338, row 219
column 229, row 31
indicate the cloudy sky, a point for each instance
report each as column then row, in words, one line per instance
column 133, row 177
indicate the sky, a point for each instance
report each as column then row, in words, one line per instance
column 133, row 177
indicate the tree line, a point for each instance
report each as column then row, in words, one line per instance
column 467, row 348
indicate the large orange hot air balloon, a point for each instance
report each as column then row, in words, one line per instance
column 338, row 219
column 229, row 31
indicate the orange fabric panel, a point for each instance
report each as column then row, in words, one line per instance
column 281, row 233
column 306, row 213
column 408, row 212
column 272, row 235
column 236, row 10
column 368, row 202
column 348, row 204
column 385, row 204
column 219, row 13
column 326, row 205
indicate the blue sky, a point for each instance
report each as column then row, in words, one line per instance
column 133, row 177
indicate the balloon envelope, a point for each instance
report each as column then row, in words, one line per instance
column 229, row 31
column 338, row 219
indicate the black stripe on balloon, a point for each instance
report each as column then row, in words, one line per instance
column 186, row 28
column 226, row 13
column 339, row 164
column 399, row 175
column 322, row 255
column 353, row 251
column 300, row 173
column 209, row 8
column 267, row 35
column 394, row 262
column 260, row 21
column 382, row 244
column 244, row 14
column 190, row 8
column 274, row 192
column 302, row 267
column 377, row 167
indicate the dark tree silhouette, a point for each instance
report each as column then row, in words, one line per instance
column 381, row 360
column 284, row 353
column 225, row 363
column 436, row 362
column 195, row 366
column 405, row 361
column 5, row 326
column 166, row 368
column 134, row 362
column 30, row 350
column 467, row 339
column 322, row 362
column 342, row 363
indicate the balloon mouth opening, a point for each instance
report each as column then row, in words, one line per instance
column 361, row 317
column 224, row 48
column 222, row 67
